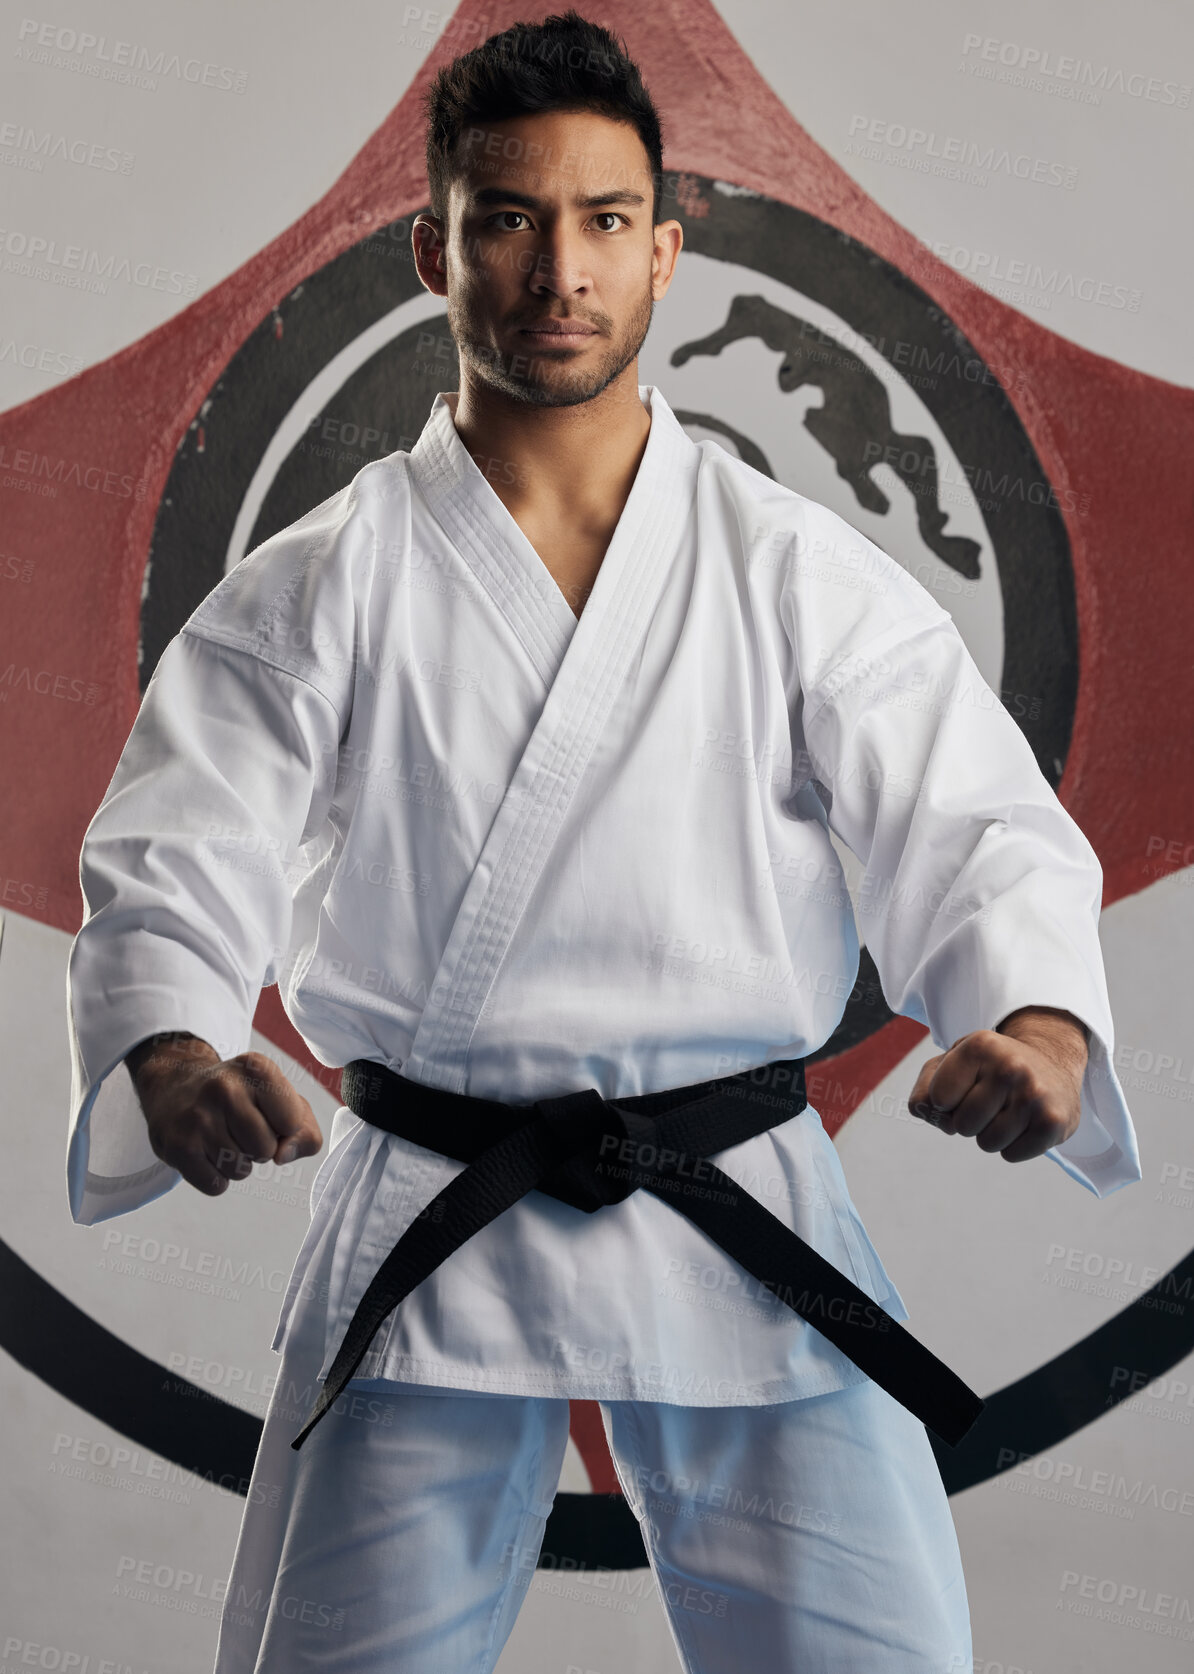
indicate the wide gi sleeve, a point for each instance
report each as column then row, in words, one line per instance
column 980, row 893
column 187, row 867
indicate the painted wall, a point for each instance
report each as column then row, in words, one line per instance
column 1016, row 165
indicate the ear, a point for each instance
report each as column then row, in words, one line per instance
column 430, row 253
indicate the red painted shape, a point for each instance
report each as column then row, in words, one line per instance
column 588, row 1432
column 1108, row 437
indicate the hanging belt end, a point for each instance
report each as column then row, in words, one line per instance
column 317, row 1411
column 963, row 1414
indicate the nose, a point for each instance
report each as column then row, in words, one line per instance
column 560, row 267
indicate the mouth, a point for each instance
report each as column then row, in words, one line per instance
column 559, row 333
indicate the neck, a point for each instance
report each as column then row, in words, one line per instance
column 570, row 458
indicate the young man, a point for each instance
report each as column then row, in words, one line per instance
column 460, row 709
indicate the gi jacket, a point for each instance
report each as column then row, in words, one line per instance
column 515, row 854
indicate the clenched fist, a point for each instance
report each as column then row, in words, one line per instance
column 1016, row 1089
column 212, row 1118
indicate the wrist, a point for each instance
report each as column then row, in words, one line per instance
column 156, row 1048
column 1049, row 1028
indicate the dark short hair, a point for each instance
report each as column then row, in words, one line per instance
column 564, row 63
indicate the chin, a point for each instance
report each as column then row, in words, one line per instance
column 557, row 385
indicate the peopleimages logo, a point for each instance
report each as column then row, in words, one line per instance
column 982, row 160
column 69, row 473
column 990, row 268
column 36, row 257
column 30, row 149
column 981, row 51
column 114, row 60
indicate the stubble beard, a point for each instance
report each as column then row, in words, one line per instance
column 537, row 380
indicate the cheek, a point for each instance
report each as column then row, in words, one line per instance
column 484, row 273
column 632, row 304
column 507, row 266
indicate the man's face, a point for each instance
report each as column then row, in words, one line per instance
column 550, row 224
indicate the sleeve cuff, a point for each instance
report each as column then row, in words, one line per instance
column 111, row 1168
column 1102, row 1152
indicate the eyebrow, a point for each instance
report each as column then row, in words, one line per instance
column 499, row 194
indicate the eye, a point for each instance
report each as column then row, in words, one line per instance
column 608, row 215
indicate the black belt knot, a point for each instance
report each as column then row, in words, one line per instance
column 620, row 1151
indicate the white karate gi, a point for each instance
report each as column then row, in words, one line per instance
column 515, row 854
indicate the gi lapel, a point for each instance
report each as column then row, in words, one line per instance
column 584, row 664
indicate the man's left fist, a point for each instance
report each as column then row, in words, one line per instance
column 1016, row 1090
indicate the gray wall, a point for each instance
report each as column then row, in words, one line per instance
column 206, row 176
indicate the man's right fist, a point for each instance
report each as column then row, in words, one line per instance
column 212, row 1118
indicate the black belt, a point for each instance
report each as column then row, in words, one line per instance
column 584, row 1151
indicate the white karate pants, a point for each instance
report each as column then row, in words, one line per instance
column 810, row 1537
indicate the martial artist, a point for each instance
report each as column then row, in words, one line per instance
column 514, row 763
